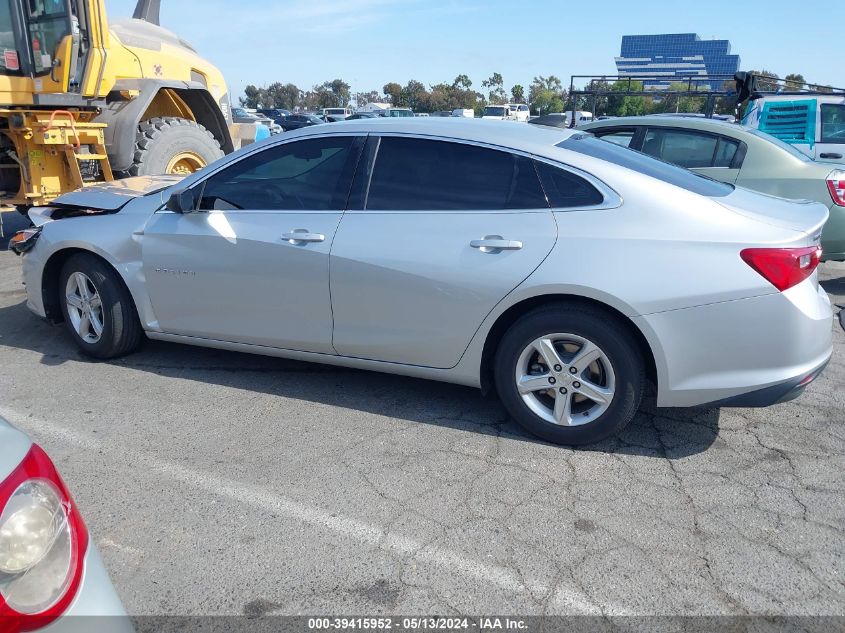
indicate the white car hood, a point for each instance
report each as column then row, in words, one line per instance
column 110, row 196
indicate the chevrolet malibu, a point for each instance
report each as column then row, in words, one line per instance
column 51, row 574
column 557, row 269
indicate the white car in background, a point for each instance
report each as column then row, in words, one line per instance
column 51, row 574
column 519, row 112
column 466, row 113
column 497, row 112
column 337, row 114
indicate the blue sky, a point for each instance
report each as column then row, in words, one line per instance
column 370, row 42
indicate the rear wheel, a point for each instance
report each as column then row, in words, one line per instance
column 570, row 375
column 98, row 310
column 170, row 145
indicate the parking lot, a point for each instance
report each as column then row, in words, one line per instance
column 223, row 483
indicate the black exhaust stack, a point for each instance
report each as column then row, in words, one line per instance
column 149, row 11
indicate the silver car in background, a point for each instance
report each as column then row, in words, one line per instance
column 51, row 575
column 556, row 268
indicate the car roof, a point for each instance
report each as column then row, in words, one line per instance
column 527, row 138
column 693, row 123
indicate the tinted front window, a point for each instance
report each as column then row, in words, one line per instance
column 308, row 175
column 589, row 145
column 833, row 123
column 422, row 175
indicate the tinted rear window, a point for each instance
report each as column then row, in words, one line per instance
column 565, row 189
column 644, row 164
column 424, row 175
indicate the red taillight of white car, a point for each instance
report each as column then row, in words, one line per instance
column 42, row 545
column 783, row 267
column 836, row 185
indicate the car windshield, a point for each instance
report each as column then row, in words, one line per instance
column 589, row 145
column 797, row 153
column 314, row 119
column 494, row 111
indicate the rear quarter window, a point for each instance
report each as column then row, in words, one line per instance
column 589, row 145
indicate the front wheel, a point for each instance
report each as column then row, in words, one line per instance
column 98, row 309
column 570, row 375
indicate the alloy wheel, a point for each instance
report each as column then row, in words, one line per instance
column 565, row 379
column 84, row 307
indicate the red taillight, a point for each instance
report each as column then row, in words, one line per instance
column 836, row 186
column 43, row 541
column 783, row 267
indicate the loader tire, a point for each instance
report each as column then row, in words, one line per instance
column 170, row 145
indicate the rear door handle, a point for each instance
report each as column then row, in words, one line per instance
column 495, row 244
column 829, row 155
column 303, row 236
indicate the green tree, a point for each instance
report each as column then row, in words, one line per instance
column 394, row 92
column 795, row 81
column 253, row 97
column 518, row 94
column 415, row 96
column 765, row 80
column 462, row 82
column 287, row 96
column 363, row 98
column 496, row 86
column 628, row 105
column 546, row 94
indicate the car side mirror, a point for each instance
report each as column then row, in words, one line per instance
column 182, row 201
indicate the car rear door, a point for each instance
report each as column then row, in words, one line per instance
column 444, row 232
column 251, row 264
column 713, row 155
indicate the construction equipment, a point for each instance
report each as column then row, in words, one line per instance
column 83, row 100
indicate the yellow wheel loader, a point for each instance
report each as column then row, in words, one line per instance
column 83, row 100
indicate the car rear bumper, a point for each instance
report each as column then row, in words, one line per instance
column 97, row 606
column 774, row 394
column 750, row 352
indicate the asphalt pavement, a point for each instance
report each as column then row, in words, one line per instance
column 223, row 483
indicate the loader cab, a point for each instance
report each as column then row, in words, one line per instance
column 44, row 43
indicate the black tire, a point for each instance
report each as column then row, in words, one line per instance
column 159, row 140
column 604, row 330
column 122, row 332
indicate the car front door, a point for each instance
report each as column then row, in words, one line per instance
column 444, row 232
column 251, row 263
column 716, row 156
column 831, row 145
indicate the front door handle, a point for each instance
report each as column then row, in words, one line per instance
column 495, row 244
column 830, row 155
column 303, row 236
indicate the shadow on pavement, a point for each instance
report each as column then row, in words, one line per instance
column 654, row 432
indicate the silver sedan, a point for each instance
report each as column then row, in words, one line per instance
column 559, row 270
column 51, row 574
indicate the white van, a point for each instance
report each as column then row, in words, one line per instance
column 337, row 114
column 498, row 112
column 812, row 122
column 519, row 111
column 467, row 113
